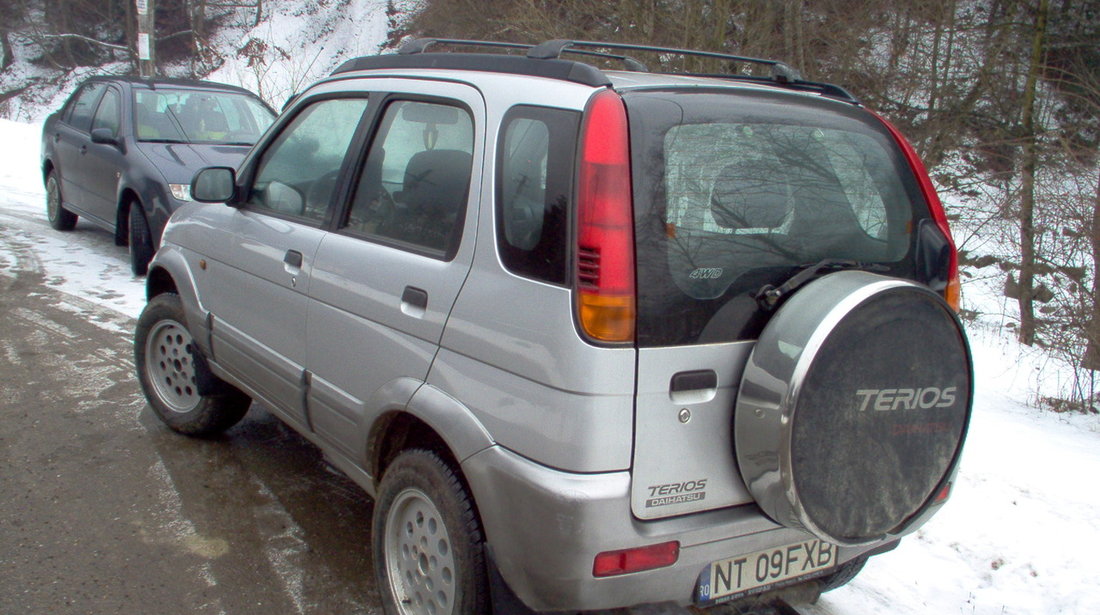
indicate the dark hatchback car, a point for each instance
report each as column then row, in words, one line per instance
column 122, row 151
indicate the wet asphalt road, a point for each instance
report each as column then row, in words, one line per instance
column 103, row 510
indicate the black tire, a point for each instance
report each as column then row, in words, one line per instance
column 843, row 575
column 60, row 218
column 174, row 376
column 422, row 498
column 140, row 240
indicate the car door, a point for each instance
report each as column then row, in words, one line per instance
column 103, row 162
column 261, row 254
column 385, row 280
column 71, row 140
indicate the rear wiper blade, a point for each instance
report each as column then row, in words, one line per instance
column 162, row 141
column 769, row 296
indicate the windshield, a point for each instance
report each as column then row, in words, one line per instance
column 199, row 116
column 737, row 191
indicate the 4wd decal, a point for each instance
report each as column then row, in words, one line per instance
column 676, row 493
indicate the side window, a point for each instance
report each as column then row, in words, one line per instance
column 413, row 187
column 297, row 173
column 79, row 116
column 534, row 187
column 108, row 113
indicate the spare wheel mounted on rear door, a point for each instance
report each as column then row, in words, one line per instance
column 854, row 406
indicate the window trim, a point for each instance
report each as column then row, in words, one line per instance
column 70, row 107
column 351, row 186
column 247, row 175
column 118, row 111
column 526, row 111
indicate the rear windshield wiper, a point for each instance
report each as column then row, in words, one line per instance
column 162, row 141
column 769, row 297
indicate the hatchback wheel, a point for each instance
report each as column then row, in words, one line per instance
column 60, row 218
column 174, row 376
column 428, row 547
column 140, row 240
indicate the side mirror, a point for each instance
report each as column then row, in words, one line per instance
column 105, row 136
column 214, row 185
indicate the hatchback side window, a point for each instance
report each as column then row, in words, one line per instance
column 83, row 106
column 297, row 174
column 413, row 187
column 534, row 186
column 108, row 114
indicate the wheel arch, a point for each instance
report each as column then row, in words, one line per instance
column 431, row 420
column 126, row 196
column 170, row 272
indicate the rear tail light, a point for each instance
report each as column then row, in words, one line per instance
column 952, row 293
column 611, row 563
column 605, row 224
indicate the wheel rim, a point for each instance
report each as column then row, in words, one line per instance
column 170, row 364
column 53, row 199
column 420, row 562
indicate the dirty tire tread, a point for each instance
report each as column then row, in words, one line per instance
column 842, row 576
column 426, row 470
column 60, row 219
column 217, row 410
column 140, row 240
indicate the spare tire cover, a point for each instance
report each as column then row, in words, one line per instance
column 853, row 407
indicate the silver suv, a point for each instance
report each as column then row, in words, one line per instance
column 589, row 338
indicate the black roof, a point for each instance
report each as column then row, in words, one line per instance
column 154, row 82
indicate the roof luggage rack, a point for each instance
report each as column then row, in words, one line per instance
column 548, row 62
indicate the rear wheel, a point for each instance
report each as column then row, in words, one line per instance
column 174, row 376
column 140, row 240
column 428, row 546
column 60, row 218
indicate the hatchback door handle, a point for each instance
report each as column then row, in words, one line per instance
column 83, row 149
column 293, row 258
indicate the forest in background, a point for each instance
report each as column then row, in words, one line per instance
column 1000, row 97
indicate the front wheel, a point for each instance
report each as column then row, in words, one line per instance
column 428, row 546
column 174, row 376
column 140, row 240
column 60, row 218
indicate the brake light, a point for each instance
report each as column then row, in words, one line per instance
column 611, row 563
column 605, row 297
column 953, row 291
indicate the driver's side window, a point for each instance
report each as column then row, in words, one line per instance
column 297, row 174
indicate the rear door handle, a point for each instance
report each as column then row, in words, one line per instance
column 83, row 149
column 414, row 302
column 415, row 297
column 293, row 258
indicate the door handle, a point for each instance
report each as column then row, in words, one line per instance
column 83, row 149
column 415, row 297
column 414, row 302
column 293, row 258
column 693, row 387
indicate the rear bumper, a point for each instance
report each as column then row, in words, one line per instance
column 545, row 527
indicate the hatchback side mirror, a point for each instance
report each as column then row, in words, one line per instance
column 106, row 137
column 214, row 185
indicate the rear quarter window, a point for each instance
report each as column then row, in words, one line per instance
column 736, row 191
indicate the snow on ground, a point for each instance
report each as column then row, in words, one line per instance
column 1018, row 536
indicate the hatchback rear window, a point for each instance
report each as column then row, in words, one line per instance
column 734, row 192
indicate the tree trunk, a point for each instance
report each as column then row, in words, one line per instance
column 1092, row 331
column 1027, row 181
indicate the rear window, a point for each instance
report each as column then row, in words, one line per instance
column 734, row 192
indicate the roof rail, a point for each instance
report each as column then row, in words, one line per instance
column 420, row 45
column 781, row 72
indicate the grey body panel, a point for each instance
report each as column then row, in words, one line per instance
column 672, row 456
column 544, row 528
column 258, row 302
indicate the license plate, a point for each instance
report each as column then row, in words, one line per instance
column 755, row 570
